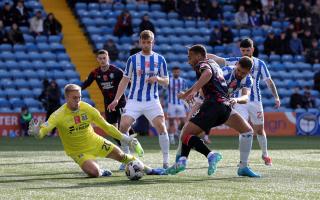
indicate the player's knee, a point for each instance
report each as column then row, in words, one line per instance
column 93, row 173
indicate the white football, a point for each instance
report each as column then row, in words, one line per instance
column 134, row 170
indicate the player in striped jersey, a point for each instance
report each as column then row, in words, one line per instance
column 176, row 108
column 146, row 69
column 254, row 110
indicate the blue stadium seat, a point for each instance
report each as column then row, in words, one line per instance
column 190, row 23
column 12, row 93
column 52, row 65
column 316, row 67
column 34, row 83
column 55, row 38
column 258, row 32
column 274, row 57
column 71, row 74
column 41, row 39
column 100, row 22
column 61, row 82
column 21, row 83
column 25, row 93
column 245, row 32
column 300, row 110
column 31, row 102
column 158, row 15
column 6, row 83
column 228, row 16
column 5, row 47
column 36, row 110
column 82, row 13
column 142, row 7
column 36, row 92
column 5, row 110
column 16, row 103
column 48, row 56
column 4, row 103
column 155, row 7
column 105, row 6
column 6, row 55
column 88, row 21
column 313, row 110
column 43, row 46
column 131, row 6
column 93, row 6
column 63, row 57
column 276, row 24
column 173, row 15
column 21, row 56
column 299, row 58
column 287, row 58
column 12, row 65
column 191, row 31
column 178, row 31
column 19, row 48
column 57, row 48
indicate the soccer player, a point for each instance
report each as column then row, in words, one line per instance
column 214, row 111
column 176, row 109
column 253, row 110
column 80, row 142
column 108, row 77
column 146, row 69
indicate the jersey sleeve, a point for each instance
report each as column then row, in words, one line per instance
column 264, row 71
column 163, row 67
column 231, row 60
column 129, row 68
column 50, row 124
column 102, row 123
column 88, row 81
column 249, row 82
column 203, row 67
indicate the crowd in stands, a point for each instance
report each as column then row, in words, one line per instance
column 12, row 17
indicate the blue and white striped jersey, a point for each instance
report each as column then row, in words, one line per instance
column 140, row 67
column 259, row 71
column 176, row 85
column 234, row 85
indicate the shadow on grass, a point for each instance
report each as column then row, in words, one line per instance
column 163, row 180
column 37, row 162
column 44, row 174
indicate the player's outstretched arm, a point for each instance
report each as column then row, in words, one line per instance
column 121, row 88
column 39, row 129
column 219, row 60
column 274, row 92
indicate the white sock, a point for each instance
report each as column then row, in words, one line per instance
column 211, row 153
column 262, row 139
column 124, row 147
column 245, row 145
column 164, row 145
column 206, row 137
column 171, row 136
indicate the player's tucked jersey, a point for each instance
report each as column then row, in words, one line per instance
column 108, row 82
column 216, row 88
column 75, row 130
column 234, row 85
column 259, row 71
column 139, row 68
column 176, row 85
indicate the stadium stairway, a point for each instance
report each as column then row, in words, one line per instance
column 76, row 45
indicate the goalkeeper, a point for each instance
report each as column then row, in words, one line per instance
column 80, row 142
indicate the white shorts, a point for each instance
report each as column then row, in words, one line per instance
column 252, row 111
column 150, row 109
column 176, row 111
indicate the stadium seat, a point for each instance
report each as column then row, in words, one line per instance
column 300, row 110
column 5, row 47
column 30, row 102
column 173, row 15
column 287, row 58
column 12, row 93
column 4, row 103
column 142, row 7
column 21, row 83
column 19, row 48
column 5, row 110
column 16, row 102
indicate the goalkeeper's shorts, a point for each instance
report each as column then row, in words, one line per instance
column 102, row 150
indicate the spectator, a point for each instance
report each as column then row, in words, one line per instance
column 270, row 44
column 254, row 19
column 226, row 34
column 3, row 34
column 296, row 99
column 291, row 12
column 241, row 18
column 203, row 5
column 169, row 6
column 295, row 44
column 186, row 8
column 215, row 37
column 36, row 24
column 266, row 18
column 123, row 25
column 308, row 99
column 146, row 24
column 214, row 11
column 112, row 49
column 25, row 118
column 21, row 14
column 283, row 46
column 7, row 14
column 306, row 39
column 313, row 54
column 51, row 26
column 298, row 26
column 316, row 80
column 308, row 24
column 15, row 35
column 135, row 48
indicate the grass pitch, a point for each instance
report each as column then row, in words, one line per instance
column 33, row 169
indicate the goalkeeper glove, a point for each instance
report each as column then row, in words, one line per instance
column 133, row 144
column 34, row 128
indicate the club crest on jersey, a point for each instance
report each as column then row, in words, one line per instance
column 147, row 64
column 105, row 77
column 111, row 75
column 77, row 119
column 84, row 117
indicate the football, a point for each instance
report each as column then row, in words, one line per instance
column 134, row 170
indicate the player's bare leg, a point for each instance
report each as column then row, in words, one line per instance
column 92, row 169
column 236, row 122
column 262, row 139
column 159, row 124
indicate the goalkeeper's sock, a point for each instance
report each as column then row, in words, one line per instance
column 124, row 147
column 164, row 145
column 127, row 158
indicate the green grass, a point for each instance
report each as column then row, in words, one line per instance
column 32, row 169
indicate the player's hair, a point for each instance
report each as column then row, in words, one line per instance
column 146, row 35
column 246, row 62
column 175, row 67
column 71, row 87
column 199, row 49
column 246, row 43
column 102, row 51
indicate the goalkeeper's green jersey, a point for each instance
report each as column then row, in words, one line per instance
column 75, row 129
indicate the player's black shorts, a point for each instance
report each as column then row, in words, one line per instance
column 114, row 116
column 211, row 114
